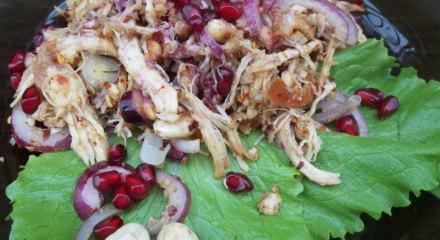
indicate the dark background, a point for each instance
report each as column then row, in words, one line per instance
column 418, row 20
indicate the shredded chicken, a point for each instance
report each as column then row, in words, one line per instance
column 277, row 80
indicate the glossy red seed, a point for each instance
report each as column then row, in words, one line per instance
column 117, row 154
column 388, row 106
column 31, row 100
column 347, row 124
column 15, row 80
column 180, row 3
column 121, row 200
column 237, row 182
column 370, row 96
column 105, row 181
column 356, row 2
column 225, row 78
column 193, row 16
column 175, row 154
column 136, row 188
column 107, row 227
column 16, row 64
column 228, row 11
column 147, row 173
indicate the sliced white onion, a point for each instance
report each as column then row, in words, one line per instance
column 153, row 152
column 214, row 46
column 345, row 26
column 187, row 146
column 37, row 139
column 86, row 230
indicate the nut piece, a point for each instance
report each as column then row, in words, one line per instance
column 220, row 30
column 270, row 202
column 130, row 231
column 175, row 231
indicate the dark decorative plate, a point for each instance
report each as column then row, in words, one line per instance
column 410, row 29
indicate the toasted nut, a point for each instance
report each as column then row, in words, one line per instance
column 270, row 202
column 175, row 231
column 130, row 231
column 220, row 30
column 154, row 48
column 183, row 30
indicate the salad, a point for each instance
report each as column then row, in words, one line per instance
column 214, row 119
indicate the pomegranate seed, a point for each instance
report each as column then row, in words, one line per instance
column 356, row 2
column 15, row 80
column 31, row 100
column 16, row 65
column 193, row 16
column 136, row 187
column 121, row 200
column 175, row 154
column 208, row 14
column 388, row 106
column 117, row 154
column 225, row 78
column 106, row 180
column 105, row 228
column 209, row 95
column 147, row 173
column 370, row 96
column 347, row 124
column 180, row 3
column 228, row 11
column 238, row 182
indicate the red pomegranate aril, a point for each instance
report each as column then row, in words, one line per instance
column 347, row 124
column 15, row 80
column 387, row 107
column 16, row 65
column 193, row 16
column 136, row 188
column 31, row 100
column 238, row 182
column 147, row 173
column 121, row 200
column 180, row 3
column 117, row 154
column 175, row 154
column 105, row 181
column 370, row 96
column 105, row 228
column 225, row 78
column 228, row 11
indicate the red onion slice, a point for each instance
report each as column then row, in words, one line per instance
column 86, row 230
column 179, row 200
column 253, row 17
column 87, row 199
column 37, row 139
column 215, row 48
column 335, row 106
column 345, row 27
column 267, row 5
column 120, row 5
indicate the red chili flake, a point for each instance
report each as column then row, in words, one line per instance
column 61, row 79
column 194, row 125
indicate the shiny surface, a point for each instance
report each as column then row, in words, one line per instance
column 418, row 21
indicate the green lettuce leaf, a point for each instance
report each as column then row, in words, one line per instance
column 43, row 191
column 377, row 172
